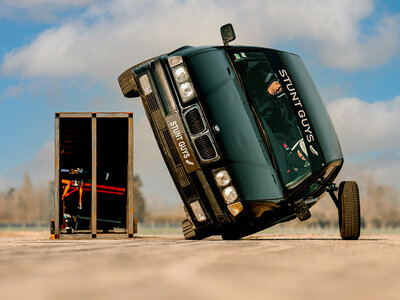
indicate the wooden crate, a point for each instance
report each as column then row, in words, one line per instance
column 93, row 182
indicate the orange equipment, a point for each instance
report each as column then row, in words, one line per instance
column 71, row 186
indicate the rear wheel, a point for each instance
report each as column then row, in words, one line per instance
column 231, row 234
column 189, row 230
column 349, row 210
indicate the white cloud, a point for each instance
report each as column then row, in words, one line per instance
column 358, row 52
column 32, row 4
column 110, row 37
column 370, row 139
column 364, row 127
column 38, row 10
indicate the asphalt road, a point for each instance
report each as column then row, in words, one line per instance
column 278, row 266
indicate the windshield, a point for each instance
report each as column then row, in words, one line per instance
column 276, row 116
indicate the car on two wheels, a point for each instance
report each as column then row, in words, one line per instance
column 245, row 136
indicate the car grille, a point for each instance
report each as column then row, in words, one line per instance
column 152, row 102
column 200, row 134
column 181, row 178
column 171, row 147
column 205, row 147
column 194, row 121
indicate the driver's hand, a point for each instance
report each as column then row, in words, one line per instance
column 300, row 155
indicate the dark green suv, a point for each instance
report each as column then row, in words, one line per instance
column 245, row 136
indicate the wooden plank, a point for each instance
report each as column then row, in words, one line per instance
column 93, row 219
column 74, row 114
column 57, row 177
column 130, row 183
column 88, row 236
column 113, row 115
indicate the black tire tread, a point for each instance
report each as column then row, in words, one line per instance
column 349, row 212
column 189, row 231
column 127, row 81
column 127, row 84
column 231, row 235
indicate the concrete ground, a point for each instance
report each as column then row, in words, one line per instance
column 276, row 266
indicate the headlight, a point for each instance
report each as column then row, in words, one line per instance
column 182, row 78
column 181, row 74
column 230, row 194
column 198, row 211
column 174, row 61
column 186, row 91
column 145, row 84
column 222, row 178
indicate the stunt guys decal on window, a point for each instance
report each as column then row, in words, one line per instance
column 301, row 114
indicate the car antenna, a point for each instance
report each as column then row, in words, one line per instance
column 227, row 34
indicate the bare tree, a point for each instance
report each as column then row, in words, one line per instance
column 140, row 202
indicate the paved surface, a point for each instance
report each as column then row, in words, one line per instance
column 301, row 266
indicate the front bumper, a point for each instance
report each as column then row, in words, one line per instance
column 186, row 149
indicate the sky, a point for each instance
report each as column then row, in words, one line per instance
column 66, row 55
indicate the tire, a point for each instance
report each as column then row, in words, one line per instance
column 127, row 81
column 189, row 232
column 349, row 210
column 231, row 235
column 127, row 84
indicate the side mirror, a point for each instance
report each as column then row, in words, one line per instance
column 227, row 34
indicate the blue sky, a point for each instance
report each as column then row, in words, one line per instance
column 66, row 56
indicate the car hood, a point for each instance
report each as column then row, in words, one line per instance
column 238, row 138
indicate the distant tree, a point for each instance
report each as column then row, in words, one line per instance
column 10, row 193
column 2, row 207
column 140, row 202
column 26, row 202
column 50, row 201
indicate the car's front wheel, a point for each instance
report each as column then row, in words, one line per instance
column 189, row 231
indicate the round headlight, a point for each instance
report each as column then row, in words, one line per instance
column 186, row 90
column 181, row 74
column 222, row 178
column 230, row 194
